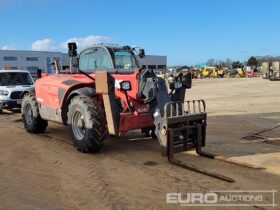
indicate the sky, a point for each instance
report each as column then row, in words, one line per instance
column 186, row 31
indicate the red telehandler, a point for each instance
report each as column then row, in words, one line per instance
column 107, row 91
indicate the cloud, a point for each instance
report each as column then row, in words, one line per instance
column 8, row 47
column 87, row 41
column 43, row 45
column 82, row 42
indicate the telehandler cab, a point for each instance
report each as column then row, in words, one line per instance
column 107, row 91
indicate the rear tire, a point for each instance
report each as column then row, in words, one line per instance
column 31, row 118
column 86, row 120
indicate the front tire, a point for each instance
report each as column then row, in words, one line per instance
column 31, row 118
column 86, row 120
column 149, row 132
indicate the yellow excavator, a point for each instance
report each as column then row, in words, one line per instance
column 207, row 71
column 240, row 72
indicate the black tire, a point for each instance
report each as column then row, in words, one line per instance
column 87, row 124
column 146, row 131
column 153, row 134
column 149, row 132
column 31, row 118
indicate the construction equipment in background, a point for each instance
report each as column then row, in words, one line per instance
column 237, row 73
column 249, row 72
column 271, row 70
column 207, row 71
column 217, row 73
column 275, row 71
column 212, row 72
column 221, row 73
column 240, row 72
column 265, row 70
column 108, row 90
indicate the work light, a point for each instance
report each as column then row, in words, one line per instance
column 125, row 85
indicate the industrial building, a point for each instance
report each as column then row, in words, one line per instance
column 154, row 62
column 30, row 60
column 33, row 60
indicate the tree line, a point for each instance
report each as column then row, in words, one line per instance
column 252, row 61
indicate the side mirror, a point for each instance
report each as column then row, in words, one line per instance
column 141, row 53
column 72, row 49
column 39, row 73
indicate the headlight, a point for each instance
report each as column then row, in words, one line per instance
column 4, row 92
column 125, row 85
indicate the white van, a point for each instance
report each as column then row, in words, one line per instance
column 12, row 84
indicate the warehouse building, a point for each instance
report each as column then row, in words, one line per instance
column 30, row 60
column 155, row 62
column 33, row 60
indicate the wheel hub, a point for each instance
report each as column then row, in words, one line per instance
column 78, row 125
column 28, row 114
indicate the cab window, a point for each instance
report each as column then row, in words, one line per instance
column 95, row 59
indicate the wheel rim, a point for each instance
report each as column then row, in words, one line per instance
column 78, row 125
column 28, row 114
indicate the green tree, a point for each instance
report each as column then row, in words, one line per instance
column 236, row 64
column 252, row 62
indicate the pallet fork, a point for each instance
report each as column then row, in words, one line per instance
column 186, row 130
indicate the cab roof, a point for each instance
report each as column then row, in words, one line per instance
column 13, row 71
column 112, row 46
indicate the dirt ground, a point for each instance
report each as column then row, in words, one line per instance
column 46, row 172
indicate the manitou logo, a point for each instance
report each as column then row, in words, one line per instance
column 192, row 198
column 143, row 109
